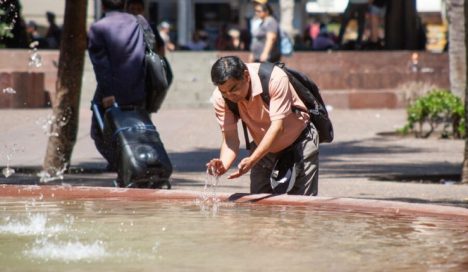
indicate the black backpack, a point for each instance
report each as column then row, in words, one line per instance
column 307, row 91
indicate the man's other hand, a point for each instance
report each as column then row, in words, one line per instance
column 215, row 167
column 108, row 101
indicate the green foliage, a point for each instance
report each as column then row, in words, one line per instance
column 438, row 107
column 4, row 27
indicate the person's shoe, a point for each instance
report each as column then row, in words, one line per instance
column 118, row 183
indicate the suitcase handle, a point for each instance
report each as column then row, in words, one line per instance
column 98, row 115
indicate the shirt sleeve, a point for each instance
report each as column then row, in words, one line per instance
column 271, row 25
column 226, row 119
column 280, row 96
column 100, row 60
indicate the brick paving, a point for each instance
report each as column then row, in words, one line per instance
column 360, row 163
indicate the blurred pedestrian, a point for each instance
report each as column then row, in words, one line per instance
column 354, row 9
column 223, row 40
column 198, row 42
column 54, row 32
column 34, row 36
column 265, row 42
column 164, row 30
column 323, row 41
column 376, row 18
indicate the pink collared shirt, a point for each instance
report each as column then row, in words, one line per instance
column 258, row 116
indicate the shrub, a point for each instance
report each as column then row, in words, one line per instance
column 438, row 107
column 4, row 27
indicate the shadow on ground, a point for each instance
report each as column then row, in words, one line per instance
column 353, row 159
column 349, row 159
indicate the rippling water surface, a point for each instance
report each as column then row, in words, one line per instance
column 211, row 236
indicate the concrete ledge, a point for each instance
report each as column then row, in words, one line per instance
column 322, row 203
column 373, row 79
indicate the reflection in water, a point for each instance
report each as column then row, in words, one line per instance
column 131, row 235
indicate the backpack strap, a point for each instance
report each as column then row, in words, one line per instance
column 148, row 34
column 266, row 68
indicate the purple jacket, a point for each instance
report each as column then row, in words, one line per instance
column 116, row 48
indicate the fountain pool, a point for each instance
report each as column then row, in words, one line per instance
column 47, row 232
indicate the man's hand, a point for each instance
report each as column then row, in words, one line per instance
column 108, row 101
column 244, row 166
column 216, row 167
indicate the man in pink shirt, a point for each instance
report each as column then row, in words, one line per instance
column 281, row 126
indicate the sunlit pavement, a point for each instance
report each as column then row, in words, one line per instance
column 359, row 163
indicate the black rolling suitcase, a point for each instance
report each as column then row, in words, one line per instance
column 142, row 161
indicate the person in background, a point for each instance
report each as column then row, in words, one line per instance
column 376, row 18
column 265, row 42
column 116, row 49
column 355, row 9
column 236, row 41
column 164, row 29
column 54, row 32
column 324, row 40
column 198, row 42
column 223, row 40
column 34, row 36
column 274, row 128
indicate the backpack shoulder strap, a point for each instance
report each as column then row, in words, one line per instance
column 148, row 35
column 266, row 68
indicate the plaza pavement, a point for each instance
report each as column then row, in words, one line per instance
column 360, row 163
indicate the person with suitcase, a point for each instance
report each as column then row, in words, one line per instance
column 116, row 48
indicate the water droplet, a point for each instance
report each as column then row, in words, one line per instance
column 9, row 90
column 35, row 60
column 34, row 44
column 7, row 172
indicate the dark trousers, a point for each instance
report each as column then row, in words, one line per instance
column 103, row 144
column 354, row 10
column 306, row 168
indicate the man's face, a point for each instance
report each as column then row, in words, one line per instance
column 236, row 90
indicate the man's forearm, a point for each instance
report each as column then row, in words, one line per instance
column 229, row 149
column 264, row 147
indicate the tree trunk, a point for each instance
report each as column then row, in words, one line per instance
column 465, row 59
column 457, row 47
column 68, row 88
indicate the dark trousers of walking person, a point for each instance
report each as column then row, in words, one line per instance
column 354, row 10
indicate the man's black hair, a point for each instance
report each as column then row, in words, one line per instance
column 113, row 4
column 226, row 68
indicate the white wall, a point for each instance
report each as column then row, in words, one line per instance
column 36, row 10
